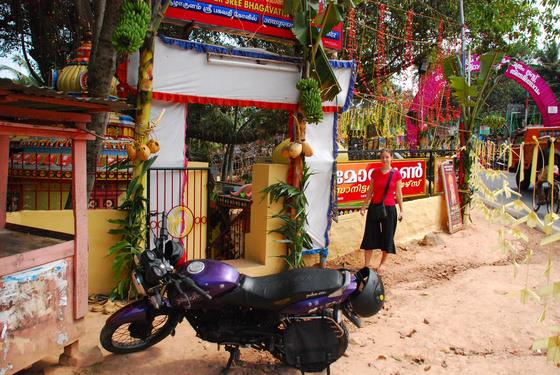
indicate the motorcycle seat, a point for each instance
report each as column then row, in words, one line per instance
column 276, row 291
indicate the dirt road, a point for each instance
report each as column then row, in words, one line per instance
column 451, row 308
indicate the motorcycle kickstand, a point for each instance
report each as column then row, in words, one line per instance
column 233, row 357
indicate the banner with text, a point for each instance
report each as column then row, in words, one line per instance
column 264, row 17
column 353, row 179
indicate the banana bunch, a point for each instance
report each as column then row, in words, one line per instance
column 310, row 99
column 131, row 30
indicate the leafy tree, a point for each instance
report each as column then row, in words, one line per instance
column 506, row 25
column 549, row 66
column 46, row 33
column 232, row 126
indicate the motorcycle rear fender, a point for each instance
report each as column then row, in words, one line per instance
column 137, row 310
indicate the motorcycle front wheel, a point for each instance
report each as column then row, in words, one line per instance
column 137, row 335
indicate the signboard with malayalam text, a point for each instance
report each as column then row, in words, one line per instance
column 452, row 200
column 353, row 179
column 261, row 17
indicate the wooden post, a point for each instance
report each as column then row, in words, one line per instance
column 4, row 161
column 79, row 204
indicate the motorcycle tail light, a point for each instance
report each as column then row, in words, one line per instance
column 138, row 282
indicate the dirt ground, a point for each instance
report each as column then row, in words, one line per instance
column 451, row 308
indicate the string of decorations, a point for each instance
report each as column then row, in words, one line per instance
column 383, row 116
column 408, row 39
column 419, row 14
column 453, row 113
column 380, row 45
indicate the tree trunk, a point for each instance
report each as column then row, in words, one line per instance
column 226, row 166
column 84, row 20
column 145, row 76
column 101, row 69
column 464, row 182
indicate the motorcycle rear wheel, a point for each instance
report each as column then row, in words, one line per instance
column 136, row 335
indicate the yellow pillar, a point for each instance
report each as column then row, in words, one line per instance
column 262, row 250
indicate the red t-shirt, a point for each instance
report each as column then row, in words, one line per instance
column 379, row 183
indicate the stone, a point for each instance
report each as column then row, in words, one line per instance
column 431, row 239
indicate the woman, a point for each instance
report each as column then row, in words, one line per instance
column 379, row 233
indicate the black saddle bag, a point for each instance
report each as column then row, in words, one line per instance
column 311, row 345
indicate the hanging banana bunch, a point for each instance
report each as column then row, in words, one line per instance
column 310, row 99
column 133, row 24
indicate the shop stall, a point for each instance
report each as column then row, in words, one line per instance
column 43, row 274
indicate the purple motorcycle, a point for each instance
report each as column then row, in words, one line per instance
column 295, row 315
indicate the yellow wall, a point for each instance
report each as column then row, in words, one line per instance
column 421, row 216
column 99, row 263
column 262, row 250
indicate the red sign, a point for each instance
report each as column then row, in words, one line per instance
column 454, row 217
column 353, row 179
column 264, row 17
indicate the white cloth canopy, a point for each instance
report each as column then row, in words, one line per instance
column 189, row 72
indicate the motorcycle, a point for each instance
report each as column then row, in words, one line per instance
column 295, row 315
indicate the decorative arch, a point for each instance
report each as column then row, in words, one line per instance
column 526, row 77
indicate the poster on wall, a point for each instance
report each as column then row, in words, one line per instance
column 353, row 179
column 262, row 17
column 452, row 201
column 438, row 183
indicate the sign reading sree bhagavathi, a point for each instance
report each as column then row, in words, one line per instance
column 263, row 17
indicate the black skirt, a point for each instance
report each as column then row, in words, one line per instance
column 379, row 234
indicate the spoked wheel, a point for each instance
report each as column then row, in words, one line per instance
column 137, row 335
column 538, row 194
column 551, row 196
column 555, row 198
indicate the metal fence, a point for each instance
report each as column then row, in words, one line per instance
column 232, row 218
column 183, row 194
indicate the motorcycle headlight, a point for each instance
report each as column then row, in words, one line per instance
column 138, row 282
